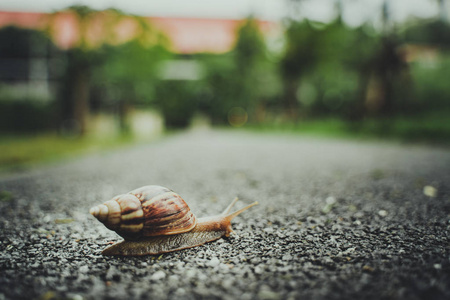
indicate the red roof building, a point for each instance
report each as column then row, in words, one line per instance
column 187, row 35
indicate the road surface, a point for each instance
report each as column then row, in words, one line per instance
column 337, row 219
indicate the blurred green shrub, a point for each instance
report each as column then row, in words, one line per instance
column 432, row 88
column 26, row 80
column 246, row 77
column 177, row 101
column 26, row 115
column 218, row 93
column 127, row 75
column 427, row 32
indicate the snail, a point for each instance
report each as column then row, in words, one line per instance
column 154, row 220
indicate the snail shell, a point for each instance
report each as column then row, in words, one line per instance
column 147, row 211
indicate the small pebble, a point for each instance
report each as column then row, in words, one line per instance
column 368, row 268
column 158, row 275
column 83, row 269
column 330, row 200
column 268, row 230
column 267, row 294
column 258, row 270
column 214, row 262
column 382, row 213
column 430, row 191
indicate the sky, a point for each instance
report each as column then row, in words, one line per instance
column 355, row 11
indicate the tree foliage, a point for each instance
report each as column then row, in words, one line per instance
column 322, row 70
column 123, row 70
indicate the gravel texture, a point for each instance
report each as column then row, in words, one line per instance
column 337, row 220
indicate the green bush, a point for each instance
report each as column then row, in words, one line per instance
column 26, row 116
column 177, row 101
column 432, row 91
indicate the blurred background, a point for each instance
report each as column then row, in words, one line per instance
column 75, row 77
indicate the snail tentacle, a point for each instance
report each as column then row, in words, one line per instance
column 227, row 210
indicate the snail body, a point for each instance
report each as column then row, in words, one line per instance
column 154, row 220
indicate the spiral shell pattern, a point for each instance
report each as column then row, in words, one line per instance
column 147, row 211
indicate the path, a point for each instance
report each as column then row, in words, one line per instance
column 337, row 220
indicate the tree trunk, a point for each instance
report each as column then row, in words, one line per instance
column 291, row 105
column 124, row 110
column 80, row 100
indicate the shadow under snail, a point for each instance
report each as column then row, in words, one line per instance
column 154, row 220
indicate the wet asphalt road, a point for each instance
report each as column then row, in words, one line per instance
column 337, row 220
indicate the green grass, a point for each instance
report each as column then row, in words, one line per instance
column 323, row 127
column 21, row 152
column 430, row 129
